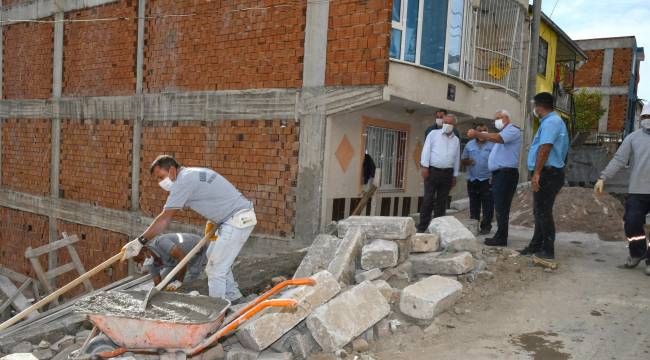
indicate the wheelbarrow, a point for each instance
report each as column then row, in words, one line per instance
column 114, row 335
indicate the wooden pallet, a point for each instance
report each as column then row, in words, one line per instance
column 46, row 278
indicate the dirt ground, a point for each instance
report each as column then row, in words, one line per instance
column 587, row 309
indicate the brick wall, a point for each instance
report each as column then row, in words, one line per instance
column 591, row 72
column 94, row 247
column 99, row 57
column 223, row 46
column 259, row 157
column 18, row 231
column 27, row 61
column 622, row 67
column 357, row 42
column 26, row 155
column 95, row 162
column 617, row 112
column 13, row 2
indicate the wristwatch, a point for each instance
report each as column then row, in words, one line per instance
column 142, row 240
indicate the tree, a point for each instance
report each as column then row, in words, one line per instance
column 588, row 109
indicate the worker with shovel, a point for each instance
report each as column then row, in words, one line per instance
column 635, row 151
column 215, row 198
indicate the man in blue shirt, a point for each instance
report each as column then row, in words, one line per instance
column 503, row 162
column 475, row 157
column 546, row 160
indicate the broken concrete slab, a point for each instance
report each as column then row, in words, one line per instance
column 367, row 275
column 347, row 316
column 343, row 266
column 270, row 324
column 379, row 227
column 441, row 263
column 379, row 254
column 320, row 254
column 430, row 297
column 454, row 235
column 238, row 352
column 425, row 242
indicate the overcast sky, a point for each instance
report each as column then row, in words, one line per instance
column 585, row 19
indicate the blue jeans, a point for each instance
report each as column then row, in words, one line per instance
column 504, row 186
column 637, row 206
column 221, row 255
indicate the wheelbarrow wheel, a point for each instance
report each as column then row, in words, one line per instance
column 99, row 344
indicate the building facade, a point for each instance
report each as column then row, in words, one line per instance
column 283, row 98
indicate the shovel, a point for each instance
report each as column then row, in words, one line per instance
column 155, row 290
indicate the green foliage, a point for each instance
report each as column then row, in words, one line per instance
column 588, row 109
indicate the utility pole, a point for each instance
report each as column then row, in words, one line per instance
column 532, row 72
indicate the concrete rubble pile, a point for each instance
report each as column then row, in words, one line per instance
column 374, row 277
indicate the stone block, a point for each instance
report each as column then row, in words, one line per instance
column 440, row 263
column 454, row 235
column 22, row 347
column 343, row 265
column 270, row 324
column 347, row 316
column 384, row 288
column 238, row 352
column 20, row 356
column 298, row 341
column 379, row 227
column 430, row 297
column 404, row 249
column 368, row 275
column 318, row 257
column 460, row 205
column 425, row 242
column 379, row 254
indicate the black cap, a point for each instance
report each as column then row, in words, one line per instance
column 544, row 99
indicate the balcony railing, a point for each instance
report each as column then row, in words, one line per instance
column 563, row 100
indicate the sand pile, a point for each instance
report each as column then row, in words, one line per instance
column 576, row 209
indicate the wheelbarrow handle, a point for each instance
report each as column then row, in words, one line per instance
column 274, row 290
column 288, row 303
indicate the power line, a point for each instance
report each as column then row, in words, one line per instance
column 554, row 6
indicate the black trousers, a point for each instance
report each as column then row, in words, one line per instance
column 550, row 183
column 436, row 192
column 504, row 186
column 480, row 197
column 637, row 206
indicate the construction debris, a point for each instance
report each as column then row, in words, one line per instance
column 379, row 254
column 443, row 263
column 430, row 297
column 319, row 256
column 425, row 242
column 379, row 227
column 454, row 236
column 342, row 265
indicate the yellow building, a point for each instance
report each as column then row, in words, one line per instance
column 557, row 59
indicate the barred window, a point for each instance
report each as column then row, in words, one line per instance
column 387, row 147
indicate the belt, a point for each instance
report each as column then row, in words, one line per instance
column 506, row 170
column 440, row 169
column 552, row 168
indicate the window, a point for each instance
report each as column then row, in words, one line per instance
column 542, row 58
column 429, row 33
column 387, row 147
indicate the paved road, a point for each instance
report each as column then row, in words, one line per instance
column 588, row 309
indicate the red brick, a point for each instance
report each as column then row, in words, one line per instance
column 26, row 155
column 591, row 72
column 18, row 231
column 27, row 61
column 617, row 113
column 622, row 67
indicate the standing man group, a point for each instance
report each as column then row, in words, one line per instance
column 440, row 163
column 475, row 157
column 635, row 151
column 503, row 163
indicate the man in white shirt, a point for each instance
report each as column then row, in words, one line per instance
column 439, row 163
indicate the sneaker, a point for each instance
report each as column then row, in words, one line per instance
column 631, row 262
column 495, row 242
column 528, row 251
column 545, row 255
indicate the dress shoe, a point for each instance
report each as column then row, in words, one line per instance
column 546, row 255
column 631, row 262
column 495, row 242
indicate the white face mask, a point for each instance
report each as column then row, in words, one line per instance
column 439, row 122
column 148, row 261
column 645, row 123
column 447, row 128
column 498, row 123
column 166, row 184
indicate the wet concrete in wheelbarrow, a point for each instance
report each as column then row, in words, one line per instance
column 170, row 307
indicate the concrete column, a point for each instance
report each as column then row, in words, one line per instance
column 313, row 119
column 57, row 87
column 137, row 123
column 608, row 64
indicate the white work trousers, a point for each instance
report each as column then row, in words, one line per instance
column 221, row 255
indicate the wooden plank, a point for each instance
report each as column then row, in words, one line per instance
column 79, row 266
column 59, row 271
column 45, row 249
column 9, row 289
column 13, row 297
column 15, row 276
